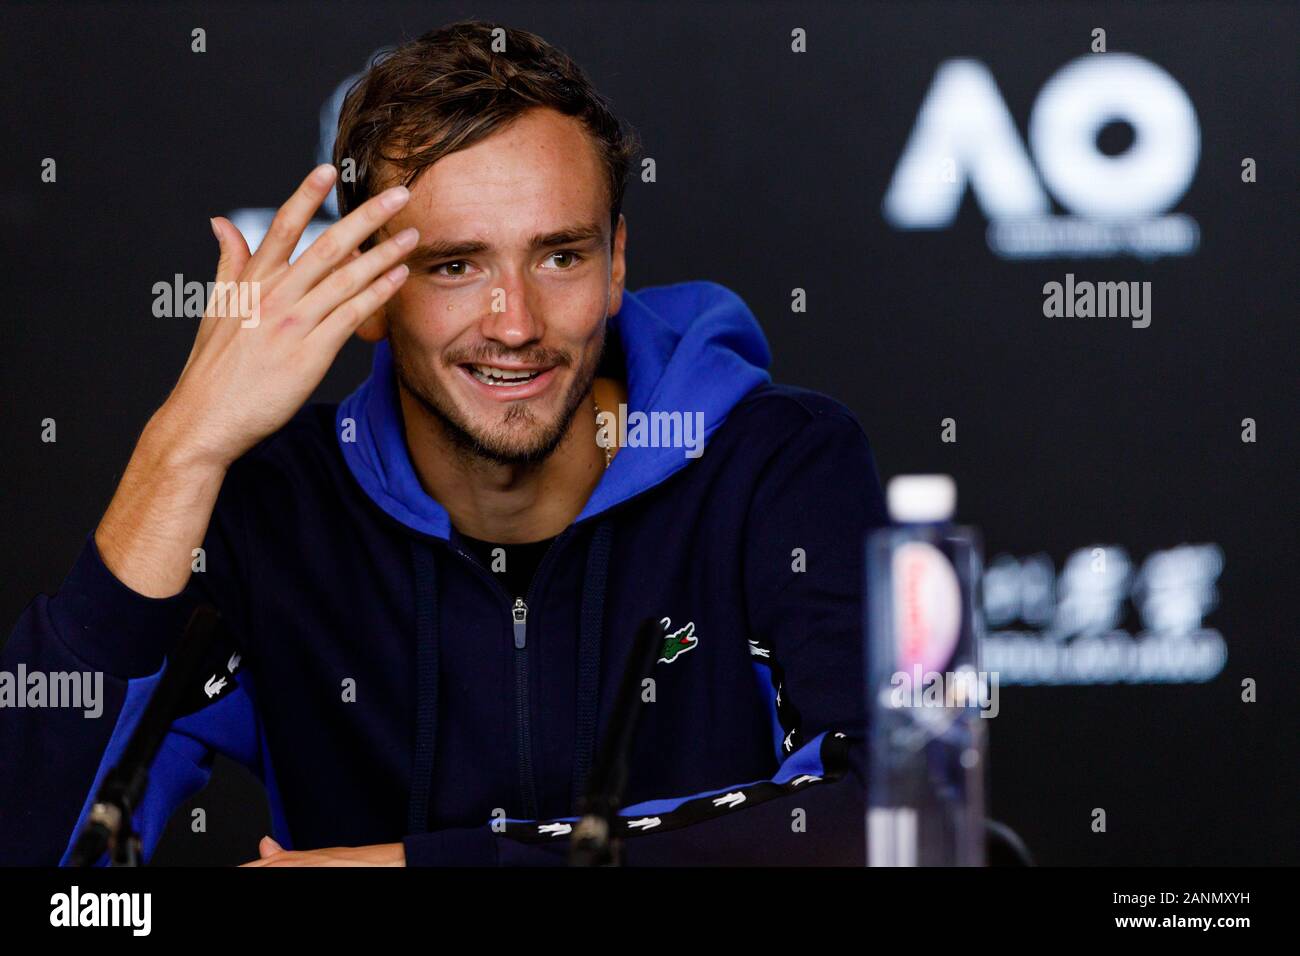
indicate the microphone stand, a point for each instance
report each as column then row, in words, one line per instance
column 109, row 827
column 594, row 842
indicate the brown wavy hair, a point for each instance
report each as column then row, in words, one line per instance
column 448, row 90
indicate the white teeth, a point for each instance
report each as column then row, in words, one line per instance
column 491, row 375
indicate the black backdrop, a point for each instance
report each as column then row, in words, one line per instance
column 771, row 171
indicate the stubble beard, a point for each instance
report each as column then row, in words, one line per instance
column 518, row 438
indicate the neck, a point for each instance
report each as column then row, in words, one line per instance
column 506, row 503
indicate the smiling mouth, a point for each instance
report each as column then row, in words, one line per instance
column 503, row 377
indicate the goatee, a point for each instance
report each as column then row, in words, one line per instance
column 518, row 438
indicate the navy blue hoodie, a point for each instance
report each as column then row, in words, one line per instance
column 385, row 686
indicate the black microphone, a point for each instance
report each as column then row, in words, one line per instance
column 109, row 824
column 593, row 842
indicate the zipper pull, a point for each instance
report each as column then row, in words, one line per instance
column 520, row 613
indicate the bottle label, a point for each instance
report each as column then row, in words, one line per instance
column 927, row 607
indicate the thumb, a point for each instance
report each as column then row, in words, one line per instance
column 267, row 846
column 234, row 249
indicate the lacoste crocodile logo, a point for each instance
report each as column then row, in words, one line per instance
column 678, row 642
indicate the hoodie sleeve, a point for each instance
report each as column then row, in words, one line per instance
column 97, row 637
column 819, row 493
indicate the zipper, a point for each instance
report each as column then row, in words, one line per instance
column 523, row 726
column 518, row 613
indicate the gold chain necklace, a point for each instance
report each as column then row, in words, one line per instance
column 609, row 455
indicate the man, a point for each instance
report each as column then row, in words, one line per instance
column 432, row 587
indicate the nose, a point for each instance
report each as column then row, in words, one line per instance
column 511, row 318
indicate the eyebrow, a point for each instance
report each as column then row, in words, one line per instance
column 452, row 249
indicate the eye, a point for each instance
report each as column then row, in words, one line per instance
column 565, row 259
column 454, row 270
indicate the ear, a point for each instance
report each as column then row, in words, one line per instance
column 375, row 326
column 618, row 266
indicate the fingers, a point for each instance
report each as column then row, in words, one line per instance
column 345, row 320
column 234, row 255
column 349, row 280
column 234, row 249
column 291, row 219
column 339, row 241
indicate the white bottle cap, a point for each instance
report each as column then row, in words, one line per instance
column 921, row 498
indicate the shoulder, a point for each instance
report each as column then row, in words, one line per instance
column 809, row 478
column 791, row 440
column 780, row 413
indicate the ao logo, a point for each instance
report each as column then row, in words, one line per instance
column 964, row 134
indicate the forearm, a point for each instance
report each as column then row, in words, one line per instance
column 160, row 511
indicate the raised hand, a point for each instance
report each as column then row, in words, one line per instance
column 250, row 371
column 252, row 367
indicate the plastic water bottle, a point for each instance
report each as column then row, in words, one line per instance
column 925, row 792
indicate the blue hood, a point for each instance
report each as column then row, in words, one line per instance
column 689, row 347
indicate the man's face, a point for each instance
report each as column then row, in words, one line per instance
column 498, row 330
